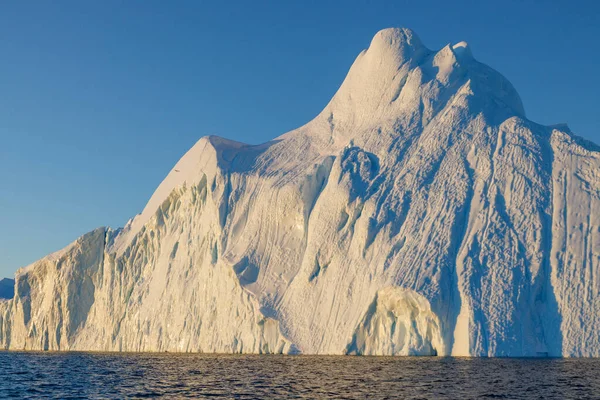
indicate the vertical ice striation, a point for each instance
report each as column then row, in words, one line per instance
column 420, row 213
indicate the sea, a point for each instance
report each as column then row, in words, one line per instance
column 172, row 376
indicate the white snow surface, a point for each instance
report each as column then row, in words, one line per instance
column 420, row 213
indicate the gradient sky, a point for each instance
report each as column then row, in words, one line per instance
column 99, row 99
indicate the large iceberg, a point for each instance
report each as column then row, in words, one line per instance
column 420, row 213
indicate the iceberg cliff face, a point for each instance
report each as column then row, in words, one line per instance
column 420, row 213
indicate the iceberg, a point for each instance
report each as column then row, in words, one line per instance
column 420, row 213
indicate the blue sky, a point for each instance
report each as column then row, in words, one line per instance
column 98, row 100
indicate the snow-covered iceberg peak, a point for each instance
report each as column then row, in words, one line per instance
column 394, row 46
column 377, row 76
column 398, row 78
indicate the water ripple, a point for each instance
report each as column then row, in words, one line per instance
column 114, row 376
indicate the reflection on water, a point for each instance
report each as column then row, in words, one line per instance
column 101, row 375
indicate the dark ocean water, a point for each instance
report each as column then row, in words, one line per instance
column 100, row 375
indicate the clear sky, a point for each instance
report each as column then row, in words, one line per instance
column 99, row 99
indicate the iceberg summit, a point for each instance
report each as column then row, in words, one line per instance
column 420, row 213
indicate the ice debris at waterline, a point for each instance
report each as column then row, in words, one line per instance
column 419, row 213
